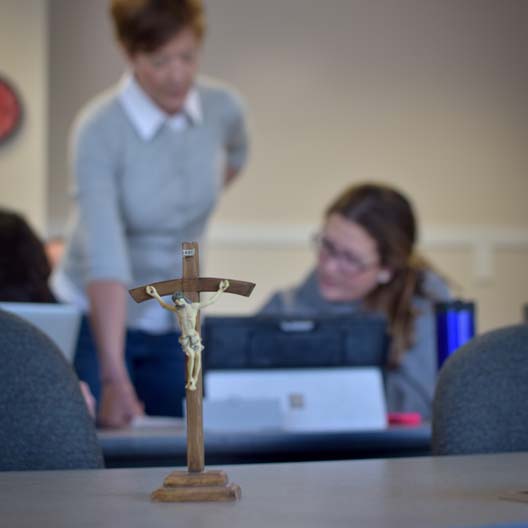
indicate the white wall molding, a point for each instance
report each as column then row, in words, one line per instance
column 482, row 241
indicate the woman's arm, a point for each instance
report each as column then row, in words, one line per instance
column 236, row 138
column 118, row 402
column 96, row 156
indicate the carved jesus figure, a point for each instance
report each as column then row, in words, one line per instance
column 190, row 340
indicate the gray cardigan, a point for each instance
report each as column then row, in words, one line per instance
column 409, row 388
column 137, row 200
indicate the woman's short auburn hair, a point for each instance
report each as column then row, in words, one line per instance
column 146, row 25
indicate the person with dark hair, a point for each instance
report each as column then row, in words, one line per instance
column 150, row 158
column 25, row 270
column 24, row 265
column 367, row 261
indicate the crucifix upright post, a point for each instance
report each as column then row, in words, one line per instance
column 193, row 398
column 195, row 484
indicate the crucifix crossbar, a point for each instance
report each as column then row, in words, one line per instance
column 202, row 284
column 180, row 486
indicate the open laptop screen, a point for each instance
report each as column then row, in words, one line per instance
column 269, row 342
column 322, row 399
column 59, row 321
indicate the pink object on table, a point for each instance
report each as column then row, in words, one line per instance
column 404, row 418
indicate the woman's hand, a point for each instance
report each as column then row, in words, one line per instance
column 118, row 401
column 119, row 404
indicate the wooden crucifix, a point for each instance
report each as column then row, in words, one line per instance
column 194, row 484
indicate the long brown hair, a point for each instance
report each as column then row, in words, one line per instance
column 388, row 217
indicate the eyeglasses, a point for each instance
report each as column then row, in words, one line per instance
column 348, row 263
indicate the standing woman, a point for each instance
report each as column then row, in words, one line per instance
column 367, row 262
column 150, row 158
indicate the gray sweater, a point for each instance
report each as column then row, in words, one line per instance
column 137, row 200
column 409, row 388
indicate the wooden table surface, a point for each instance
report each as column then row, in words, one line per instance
column 411, row 492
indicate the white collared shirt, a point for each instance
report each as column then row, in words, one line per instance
column 147, row 117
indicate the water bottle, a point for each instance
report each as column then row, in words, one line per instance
column 455, row 325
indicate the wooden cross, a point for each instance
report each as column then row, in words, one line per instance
column 195, row 484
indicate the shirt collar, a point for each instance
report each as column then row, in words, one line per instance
column 147, row 117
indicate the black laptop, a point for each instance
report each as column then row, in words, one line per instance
column 264, row 342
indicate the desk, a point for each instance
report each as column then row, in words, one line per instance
column 406, row 493
column 166, row 446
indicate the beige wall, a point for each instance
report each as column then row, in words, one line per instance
column 429, row 95
column 425, row 94
column 23, row 60
column 83, row 61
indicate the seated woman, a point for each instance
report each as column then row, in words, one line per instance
column 367, row 262
column 25, row 270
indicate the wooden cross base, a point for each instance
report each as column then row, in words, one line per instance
column 205, row 486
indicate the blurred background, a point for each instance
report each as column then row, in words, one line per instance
column 427, row 95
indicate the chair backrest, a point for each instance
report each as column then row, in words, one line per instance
column 480, row 402
column 44, row 422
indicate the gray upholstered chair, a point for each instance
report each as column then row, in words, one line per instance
column 481, row 398
column 44, row 423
